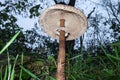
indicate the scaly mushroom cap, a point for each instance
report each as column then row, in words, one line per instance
column 75, row 21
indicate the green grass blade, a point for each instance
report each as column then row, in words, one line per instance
column 30, row 73
column 116, row 44
column 107, row 55
column 73, row 78
column 9, row 71
column 13, row 69
column 114, row 57
column 9, row 67
column 12, row 74
column 51, row 78
column 8, row 44
column 22, row 57
column 116, row 52
column 1, row 72
column 75, row 57
column 6, row 70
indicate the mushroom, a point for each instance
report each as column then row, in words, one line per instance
column 75, row 21
column 63, row 22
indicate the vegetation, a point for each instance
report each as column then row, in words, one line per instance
column 30, row 55
column 101, row 67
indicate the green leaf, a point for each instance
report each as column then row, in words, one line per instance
column 116, row 44
column 30, row 73
column 10, row 42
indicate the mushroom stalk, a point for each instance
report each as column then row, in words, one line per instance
column 61, row 55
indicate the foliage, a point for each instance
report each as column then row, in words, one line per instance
column 34, row 11
column 101, row 67
column 112, row 8
column 8, row 27
column 11, row 70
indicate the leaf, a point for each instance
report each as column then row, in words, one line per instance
column 30, row 73
column 34, row 11
column 10, row 42
column 51, row 78
column 116, row 44
column 4, row 16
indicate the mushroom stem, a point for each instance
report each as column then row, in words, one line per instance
column 61, row 55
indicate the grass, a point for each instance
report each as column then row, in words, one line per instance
column 9, row 70
column 105, row 67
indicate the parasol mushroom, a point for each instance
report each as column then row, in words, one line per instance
column 63, row 22
column 75, row 21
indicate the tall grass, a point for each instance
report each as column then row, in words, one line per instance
column 102, row 67
column 10, row 68
column 105, row 67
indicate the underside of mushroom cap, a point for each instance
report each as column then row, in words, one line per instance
column 75, row 21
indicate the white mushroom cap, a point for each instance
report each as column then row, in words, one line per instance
column 75, row 21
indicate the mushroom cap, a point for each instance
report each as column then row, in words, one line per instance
column 75, row 21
